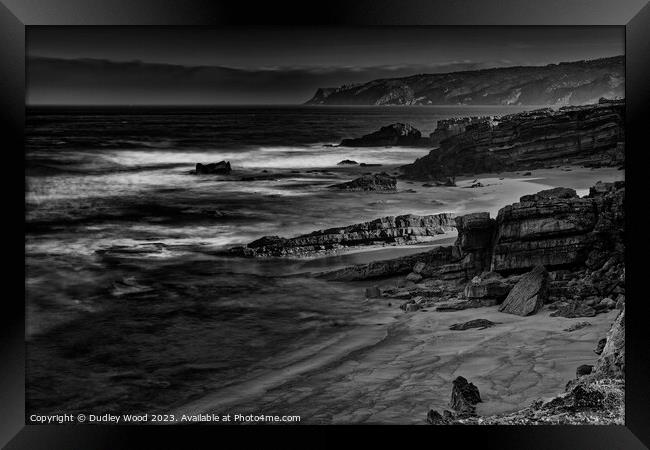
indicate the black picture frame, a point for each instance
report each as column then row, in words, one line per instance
column 16, row 15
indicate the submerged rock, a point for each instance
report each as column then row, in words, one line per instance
column 528, row 295
column 376, row 182
column 220, row 168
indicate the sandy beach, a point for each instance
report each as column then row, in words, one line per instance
column 392, row 367
column 396, row 366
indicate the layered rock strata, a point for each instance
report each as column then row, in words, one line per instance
column 589, row 135
column 578, row 241
column 406, row 229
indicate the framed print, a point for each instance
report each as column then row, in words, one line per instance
column 381, row 214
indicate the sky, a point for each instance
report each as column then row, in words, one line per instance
column 279, row 65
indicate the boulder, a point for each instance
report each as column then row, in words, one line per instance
column 583, row 370
column 481, row 324
column 376, row 182
column 608, row 303
column 464, row 397
column 220, row 168
column 586, row 397
column 487, row 285
column 418, row 267
column 601, row 346
column 573, row 310
column 410, row 307
column 528, row 295
column 414, row 277
column 394, row 134
column 435, row 418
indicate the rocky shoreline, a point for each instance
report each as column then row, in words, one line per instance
column 399, row 230
column 552, row 250
column 579, row 241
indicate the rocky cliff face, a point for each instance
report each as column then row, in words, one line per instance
column 386, row 230
column 571, row 237
column 590, row 135
column 559, row 232
column 571, row 83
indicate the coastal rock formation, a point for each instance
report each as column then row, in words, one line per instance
column 396, row 134
column 579, row 241
column 488, row 285
column 589, row 135
column 220, row 168
column 475, row 236
column 576, row 82
column 376, row 182
column 464, row 397
column 528, row 295
column 558, row 230
column 347, row 162
column 404, row 229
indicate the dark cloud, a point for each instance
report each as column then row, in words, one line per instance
column 265, row 65
column 98, row 81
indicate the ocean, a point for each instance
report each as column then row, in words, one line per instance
column 131, row 305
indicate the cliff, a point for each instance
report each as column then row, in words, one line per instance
column 590, row 135
column 570, row 83
column 572, row 237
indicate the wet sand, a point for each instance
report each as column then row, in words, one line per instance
column 395, row 370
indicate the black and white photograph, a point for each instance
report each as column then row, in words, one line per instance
column 319, row 225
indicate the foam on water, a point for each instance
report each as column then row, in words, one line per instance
column 289, row 157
